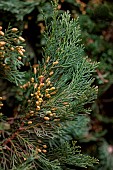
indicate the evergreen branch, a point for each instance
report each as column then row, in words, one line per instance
column 54, row 94
column 18, row 8
column 11, row 53
column 70, row 155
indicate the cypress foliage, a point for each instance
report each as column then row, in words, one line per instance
column 52, row 103
column 11, row 53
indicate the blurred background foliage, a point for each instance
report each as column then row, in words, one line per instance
column 96, row 21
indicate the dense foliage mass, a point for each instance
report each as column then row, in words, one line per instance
column 24, row 87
